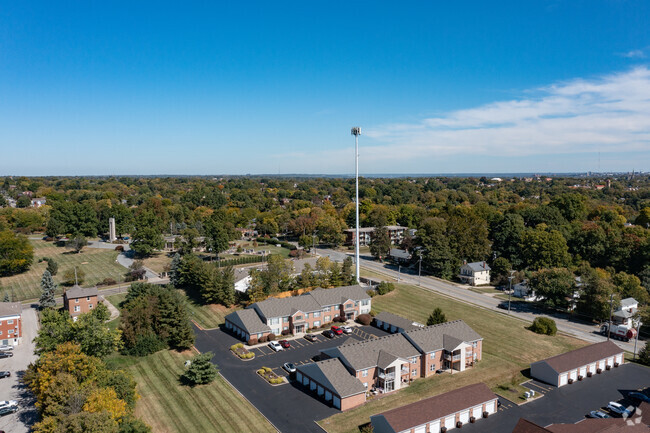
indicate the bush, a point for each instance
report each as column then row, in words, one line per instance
column 286, row 332
column 385, row 287
column 107, row 282
column 119, row 248
column 276, row 381
column 201, row 371
column 262, row 339
column 364, row 319
column 236, row 346
column 371, row 293
column 544, row 325
column 270, row 337
column 249, row 355
column 644, row 355
column 146, row 345
column 252, row 341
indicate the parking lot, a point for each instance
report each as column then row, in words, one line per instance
column 286, row 406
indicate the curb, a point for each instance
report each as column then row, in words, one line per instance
column 249, row 402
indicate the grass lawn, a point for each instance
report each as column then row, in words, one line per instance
column 157, row 262
column 169, row 407
column 97, row 264
column 508, row 350
column 489, row 290
column 207, row 316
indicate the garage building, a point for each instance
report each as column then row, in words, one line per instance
column 393, row 323
column 332, row 382
column 246, row 324
column 578, row 364
column 450, row 410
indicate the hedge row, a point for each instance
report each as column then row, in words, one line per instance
column 276, row 241
column 241, row 261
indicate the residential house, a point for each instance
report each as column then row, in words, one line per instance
column 449, row 410
column 399, row 255
column 578, row 364
column 243, row 279
column 475, row 274
column 11, row 328
column 626, row 312
column 396, row 234
column 297, row 314
column 330, row 380
column 172, row 243
column 38, row 202
column 522, row 290
column 78, row 300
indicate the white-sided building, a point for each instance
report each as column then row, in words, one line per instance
column 475, row 274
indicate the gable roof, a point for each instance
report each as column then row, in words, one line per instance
column 432, row 338
column 398, row 321
column 399, row 253
column 366, row 354
column 629, row 302
column 248, row 320
column 338, row 295
column 332, row 374
column 80, row 292
column 10, row 309
column 579, row 357
column 433, row 408
column 478, row 266
column 525, row 426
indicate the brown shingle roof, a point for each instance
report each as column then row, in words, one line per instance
column 332, row 374
column 79, row 292
column 585, row 355
column 434, row 408
column 10, row 309
column 525, row 426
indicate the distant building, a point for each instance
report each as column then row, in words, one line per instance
column 78, row 300
column 396, row 234
column 475, row 274
column 11, row 330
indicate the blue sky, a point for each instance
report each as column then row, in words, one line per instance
column 274, row 87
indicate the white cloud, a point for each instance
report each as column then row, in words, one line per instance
column 608, row 114
column 635, row 54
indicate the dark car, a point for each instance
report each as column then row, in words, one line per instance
column 338, row 331
column 328, row 333
column 285, row 344
column 311, row 337
column 503, row 305
column 7, row 410
column 639, row 396
column 4, row 374
column 6, row 354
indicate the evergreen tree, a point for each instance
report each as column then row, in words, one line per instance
column 336, row 278
column 227, row 283
column 644, row 355
column 436, row 317
column 6, row 297
column 201, row 371
column 380, row 243
column 52, row 267
column 48, row 288
column 173, row 270
column 347, row 272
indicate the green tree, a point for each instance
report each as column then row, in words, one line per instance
column 275, row 278
column 306, row 277
column 306, row 241
column 54, row 227
column 643, row 219
column 77, row 243
column 544, row 325
column 330, row 230
column 597, row 293
column 174, row 270
column 347, row 273
column 629, row 286
column 52, row 267
column 468, row 235
column 336, row 278
column 436, row 317
column 201, row 371
column 147, row 235
column 572, row 206
column 644, row 354
column 544, row 249
column 55, row 329
column 437, row 256
column 500, row 271
column 94, row 337
column 23, row 201
column 16, row 253
column 48, row 288
column 227, row 292
column 506, row 236
column 101, row 312
column 380, row 243
column 73, row 276
column 216, row 234
column 554, row 285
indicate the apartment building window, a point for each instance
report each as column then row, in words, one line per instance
column 413, row 360
column 77, row 308
column 356, row 303
column 433, row 355
column 365, row 384
column 285, row 319
column 365, row 303
column 317, row 314
column 364, row 373
column 413, row 372
column 475, row 344
column 327, row 318
column 298, row 318
column 432, row 367
column 274, row 321
column 317, row 324
column 76, row 300
column 11, row 331
column 10, row 322
column 0, row 332
column 87, row 298
column 285, row 328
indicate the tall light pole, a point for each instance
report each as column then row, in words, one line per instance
column 512, row 273
column 356, row 131
column 420, row 270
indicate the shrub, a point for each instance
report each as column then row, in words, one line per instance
column 385, row 287
column 544, row 325
column 260, row 371
column 252, row 341
column 249, row 355
column 236, row 346
column 119, row 248
column 286, row 332
column 262, row 339
column 276, row 381
column 270, row 337
column 146, row 345
column 364, row 319
column 371, row 293
column 107, row 282
column 644, row 355
column 373, row 313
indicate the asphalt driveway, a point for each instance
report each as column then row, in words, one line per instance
column 287, row 406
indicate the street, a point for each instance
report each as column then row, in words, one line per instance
column 568, row 325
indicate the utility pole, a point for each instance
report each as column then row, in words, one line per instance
column 420, row 271
column 356, row 131
column 611, row 307
column 399, row 272
column 636, row 340
column 512, row 273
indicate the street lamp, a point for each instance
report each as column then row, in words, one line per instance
column 512, row 273
column 356, row 131
column 420, row 270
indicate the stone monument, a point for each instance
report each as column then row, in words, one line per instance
column 111, row 230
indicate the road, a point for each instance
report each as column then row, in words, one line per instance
column 565, row 323
column 12, row 388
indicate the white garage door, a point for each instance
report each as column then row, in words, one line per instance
column 491, row 407
column 563, row 379
column 464, row 416
column 337, row 402
column 450, row 422
column 299, row 376
column 434, row 427
column 321, row 390
column 610, row 361
column 619, row 359
column 592, row 368
column 477, row 411
column 573, row 375
column 582, row 372
column 421, row 429
column 328, row 396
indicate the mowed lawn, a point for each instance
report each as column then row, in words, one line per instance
column 169, row 407
column 97, row 264
column 158, row 262
column 508, row 350
column 207, row 316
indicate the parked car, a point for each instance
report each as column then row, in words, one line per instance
column 290, row 367
column 311, row 337
column 285, row 344
column 503, row 305
column 4, row 374
column 6, row 347
column 7, row 410
column 618, row 409
column 335, row 329
column 346, row 329
column 328, row 333
column 275, row 346
column 639, row 396
column 598, row 414
column 8, row 403
column 6, row 355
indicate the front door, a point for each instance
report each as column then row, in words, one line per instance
column 298, row 328
column 389, row 386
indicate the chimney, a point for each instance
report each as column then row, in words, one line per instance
column 464, row 262
column 484, row 267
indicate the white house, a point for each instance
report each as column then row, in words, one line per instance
column 475, row 274
column 626, row 312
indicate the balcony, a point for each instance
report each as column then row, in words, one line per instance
column 349, row 307
column 387, row 376
column 456, row 357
